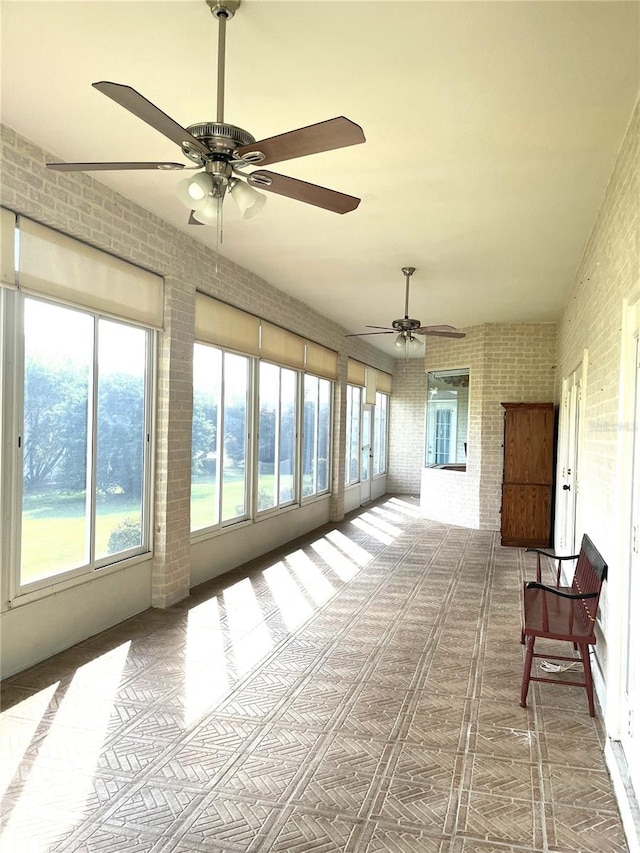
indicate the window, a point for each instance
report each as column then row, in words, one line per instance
column 277, row 435
column 316, row 435
column 380, row 434
column 85, row 440
column 219, row 437
column 352, row 461
column 447, row 418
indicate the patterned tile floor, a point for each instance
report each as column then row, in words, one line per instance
column 355, row 691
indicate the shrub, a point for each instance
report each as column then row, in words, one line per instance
column 125, row 535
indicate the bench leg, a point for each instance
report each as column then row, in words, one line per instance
column 588, row 680
column 526, row 673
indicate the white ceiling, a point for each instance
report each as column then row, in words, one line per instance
column 492, row 128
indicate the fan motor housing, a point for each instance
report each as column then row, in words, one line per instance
column 406, row 325
column 220, row 139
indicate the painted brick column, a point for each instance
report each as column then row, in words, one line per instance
column 171, row 563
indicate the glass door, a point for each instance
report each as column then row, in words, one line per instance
column 366, row 460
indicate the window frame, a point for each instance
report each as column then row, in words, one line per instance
column 13, row 357
column 379, row 435
column 279, row 505
column 317, row 493
column 224, row 524
column 349, row 422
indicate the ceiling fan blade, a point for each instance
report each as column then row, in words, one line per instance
column 192, row 220
column 364, row 334
column 302, row 191
column 103, row 167
column 445, row 328
column 337, row 132
column 439, row 334
column 380, row 327
column 149, row 113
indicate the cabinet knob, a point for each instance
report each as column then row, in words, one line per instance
column 566, row 488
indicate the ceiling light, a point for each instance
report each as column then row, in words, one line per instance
column 207, row 214
column 249, row 201
column 195, row 191
column 407, row 341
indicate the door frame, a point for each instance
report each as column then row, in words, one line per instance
column 366, row 452
column 568, row 459
column 622, row 631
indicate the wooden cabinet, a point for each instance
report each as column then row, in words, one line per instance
column 527, row 481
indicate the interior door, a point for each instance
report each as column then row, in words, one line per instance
column 569, row 460
column 630, row 723
column 366, row 463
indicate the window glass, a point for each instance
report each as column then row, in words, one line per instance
column 447, row 418
column 121, row 434
column 316, row 435
column 234, row 437
column 58, row 366
column 380, row 434
column 352, row 462
column 205, row 429
column 84, row 440
column 277, row 428
column 219, row 437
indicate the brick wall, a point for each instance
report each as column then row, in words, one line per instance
column 407, row 426
column 507, row 363
column 79, row 205
column 609, row 274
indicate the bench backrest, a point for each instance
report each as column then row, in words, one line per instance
column 590, row 572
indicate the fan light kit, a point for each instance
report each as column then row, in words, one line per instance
column 224, row 151
column 407, row 328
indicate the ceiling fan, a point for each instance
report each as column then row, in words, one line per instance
column 224, row 150
column 406, row 328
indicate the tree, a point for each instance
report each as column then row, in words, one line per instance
column 55, row 424
column 204, row 431
column 121, row 438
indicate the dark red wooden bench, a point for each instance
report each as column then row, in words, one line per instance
column 566, row 613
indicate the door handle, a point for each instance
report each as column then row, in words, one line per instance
column 567, row 488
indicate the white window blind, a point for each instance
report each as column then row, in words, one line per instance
column 356, row 371
column 283, row 347
column 7, row 248
column 371, row 385
column 52, row 264
column 225, row 326
column 383, row 382
column 321, row 361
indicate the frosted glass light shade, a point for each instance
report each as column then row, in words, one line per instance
column 194, row 191
column 208, row 213
column 249, row 201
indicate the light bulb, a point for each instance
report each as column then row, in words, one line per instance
column 194, row 192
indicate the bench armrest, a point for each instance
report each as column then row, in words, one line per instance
column 553, row 556
column 560, row 592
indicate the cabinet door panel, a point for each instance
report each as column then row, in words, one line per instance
column 525, row 515
column 528, row 446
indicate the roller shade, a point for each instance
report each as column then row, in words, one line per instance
column 7, row 248
column 383, row 382
column 221, row 324
column 283, row 347
column 371, row 385
column 321, row 361
column 356, row 372
column 52, row 264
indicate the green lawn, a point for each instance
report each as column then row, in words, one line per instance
column 55, row 530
